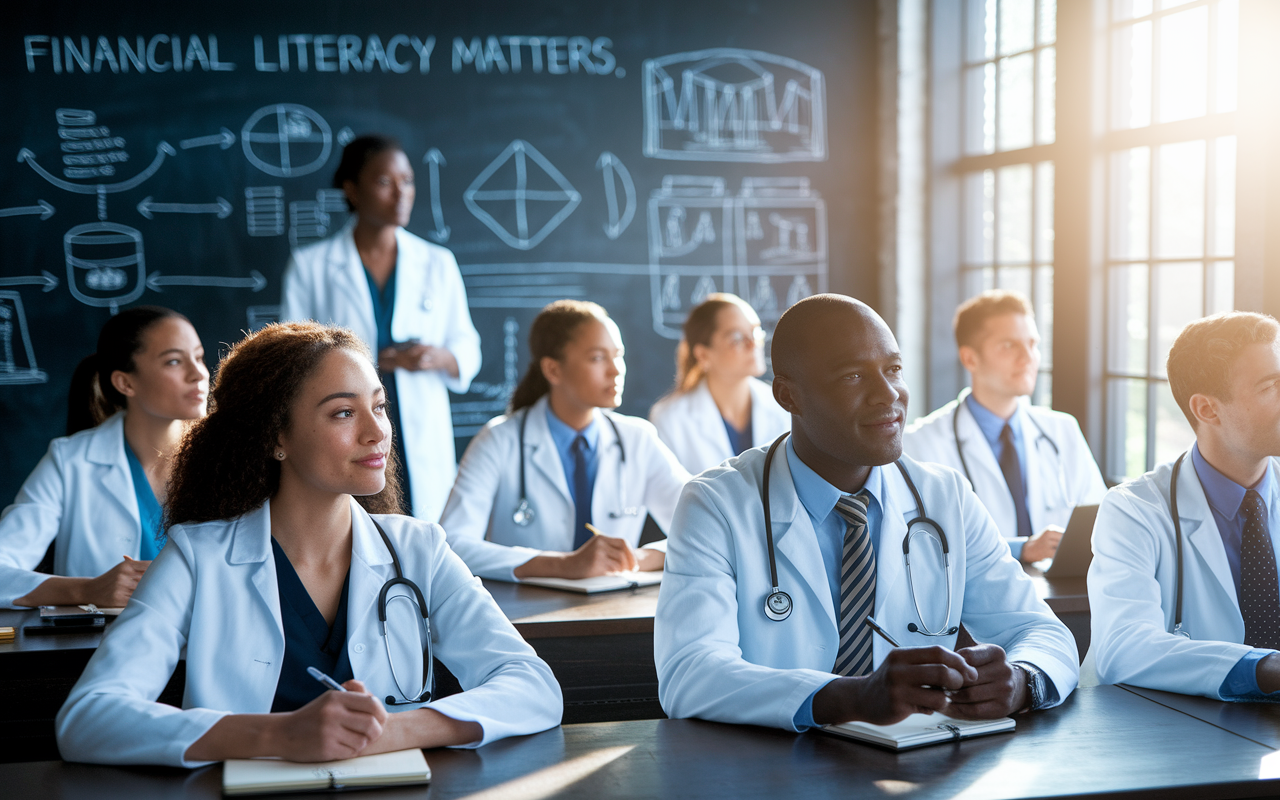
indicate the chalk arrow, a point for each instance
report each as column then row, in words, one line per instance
column 148, row 208
column 224, row 140
column 48, row 279
column 256, row 281
column 42, row 208
column 434, row 159
column 614, row 170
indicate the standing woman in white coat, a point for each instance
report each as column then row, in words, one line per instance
column 531, row 481
column 97, row 492
column 287, row 534
column 719, row 407
column 404, row 298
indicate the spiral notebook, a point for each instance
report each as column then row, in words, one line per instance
column 919, row 730
column 269, row 775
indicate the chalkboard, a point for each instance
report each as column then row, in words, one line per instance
column 638, row 154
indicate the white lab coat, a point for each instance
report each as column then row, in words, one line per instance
column 81, row 495
column 720, row 658
column 478, row 517
column 326, row 282
column 212, row 597
column 691, row 425
column 1056, row 482
column 1132, row 588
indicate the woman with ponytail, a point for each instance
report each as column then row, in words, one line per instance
column 97, row 493
column 719, row 408
column 532, row 481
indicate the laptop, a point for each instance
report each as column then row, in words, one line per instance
column 1075, row 551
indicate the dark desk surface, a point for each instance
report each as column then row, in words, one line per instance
column 541, row 613
column 1063, row 595
column 1104, row 741
column 11, row 618
column 1257, row 722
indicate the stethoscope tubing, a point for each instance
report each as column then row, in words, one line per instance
column 524, row 513
column 1043, row 436
column 383, row 602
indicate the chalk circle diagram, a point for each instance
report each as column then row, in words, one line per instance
column 105, row 264
column 17, row 358
column 507, row 211
column 728, row 104
column 286, row 140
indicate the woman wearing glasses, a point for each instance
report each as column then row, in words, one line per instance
column 719, row 407
column 283, row 534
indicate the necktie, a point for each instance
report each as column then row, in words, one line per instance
column 581, row 493
column 1013, row 477
column 1259, row 591
column 857, row 588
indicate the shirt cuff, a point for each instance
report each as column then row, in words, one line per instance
column 1241, row 682
column 803, row 719
column 1015, row 547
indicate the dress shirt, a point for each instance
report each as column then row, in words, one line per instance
column 563, row 435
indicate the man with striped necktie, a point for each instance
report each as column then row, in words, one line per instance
column 727, row 648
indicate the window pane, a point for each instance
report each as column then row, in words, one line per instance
column 1222, row 288
column 980, row 110
column 1184, row 64
column 1131, row 76
column 989, row 29
column 1045, row 96
column 979, row 208
column 1128, row 9
column 1180, row 200
column 1043, row 300
column 1127, row 428
column 1173, row 3
column 1127, row 320
column 1048, row 21
column 1016, row 108
column 1044, row 212
column 977, row 281
column 1014, row 225
column 1179, row 299
column 1130, row 202
column 1017, row 25
column 1223, row 226
column 1014, row 279
column 1173, row 433
column 1043, row 394
column 976, row 47
column 1228, row 55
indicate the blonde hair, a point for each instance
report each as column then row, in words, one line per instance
column 973, row 313
column 698, row 329
column 1201, row 358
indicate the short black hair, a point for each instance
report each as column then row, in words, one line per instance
column 357, row 153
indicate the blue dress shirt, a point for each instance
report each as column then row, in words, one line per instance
column 1225, row 497
column 991, row 426
column 563, row 435
column 149, row 513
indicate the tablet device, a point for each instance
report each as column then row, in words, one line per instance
column 1075, row 552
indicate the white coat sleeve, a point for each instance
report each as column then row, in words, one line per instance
column 111, row 715
column 664, row 480
column 701, row 671
column 471, row 504
column 298, row 300
column 1129, row 637
column 507, row 688
column 28, row 526
column 1000, row 603
column 461, row 338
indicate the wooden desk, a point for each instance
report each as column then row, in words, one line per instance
column 1105, row 742
column 1068, row 598
column 1257, row 722
column 600, row 647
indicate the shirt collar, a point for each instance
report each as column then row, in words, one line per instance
column 1224, row 494
column 563, row 434
column 819, row 497
column 989, row 422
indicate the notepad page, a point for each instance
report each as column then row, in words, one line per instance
column 243, row 776
column 600, row 583
column 928, row 726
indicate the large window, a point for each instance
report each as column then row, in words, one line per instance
column 1007, row 168
column 1170, row 240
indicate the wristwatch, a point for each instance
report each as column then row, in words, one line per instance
column 1035, row 684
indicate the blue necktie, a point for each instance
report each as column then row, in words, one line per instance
column 1013, row 477
column 857, row 588
column 1259, row 591
column 581, row 493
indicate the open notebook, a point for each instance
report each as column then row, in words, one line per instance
column 269, row 775
column 919, row 730
column 600, row 583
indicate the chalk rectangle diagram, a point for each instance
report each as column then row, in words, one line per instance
column 17, row 357
column 728, row 104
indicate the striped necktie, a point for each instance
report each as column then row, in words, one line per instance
column 857, row 587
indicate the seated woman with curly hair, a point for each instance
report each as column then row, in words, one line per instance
column 286, row 550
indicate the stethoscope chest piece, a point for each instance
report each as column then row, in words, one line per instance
column 524, row 513
column 777, row 606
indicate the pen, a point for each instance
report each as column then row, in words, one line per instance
column 594, row 530
column 325, row 679
column 875, row 626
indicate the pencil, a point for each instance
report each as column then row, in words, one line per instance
column 594, row 530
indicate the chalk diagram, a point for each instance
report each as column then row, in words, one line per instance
column 767, row 243
column 536, row 194
column 286, row 140
column 469, row 416
column 17, row 358
column 727, row 104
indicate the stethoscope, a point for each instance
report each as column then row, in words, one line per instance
column 1177, row 535
column 778, row 605
column 1045, row 437
column 423, row 696
column 524, row 513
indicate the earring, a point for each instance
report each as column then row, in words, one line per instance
column 279, row 455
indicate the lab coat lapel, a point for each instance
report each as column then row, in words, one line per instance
column 899, row 508
column 410, row 290
column 107, row 449
column 540, row 449
column 609, row 481
column 794, row 536
column 1037, row 500
column 251, row 545
column 350, row 285
column 1200, row 529
column 371, row 567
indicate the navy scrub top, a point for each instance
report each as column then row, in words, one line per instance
column 308, row 639
column 384, row 306
column 739, row 440
column 149, row 514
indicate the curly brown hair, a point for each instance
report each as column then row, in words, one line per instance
column 225, row 466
